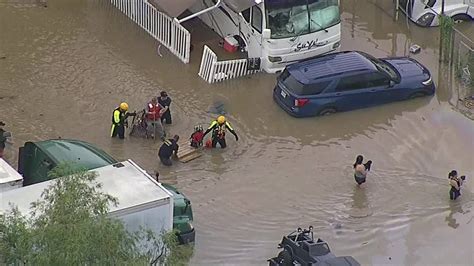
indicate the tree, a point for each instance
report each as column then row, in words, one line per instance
column 69, row 225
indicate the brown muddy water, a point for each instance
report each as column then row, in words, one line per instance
column 67, row 66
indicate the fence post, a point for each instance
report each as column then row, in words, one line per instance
column 212, row 70
column 173, row 37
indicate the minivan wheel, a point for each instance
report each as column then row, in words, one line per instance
column 327, row 111
column 416, row 95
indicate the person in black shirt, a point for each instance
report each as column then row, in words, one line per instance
column 3, row 139
column 165, row 101
column 169, row 147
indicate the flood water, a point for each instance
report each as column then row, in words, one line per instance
column 67, row 66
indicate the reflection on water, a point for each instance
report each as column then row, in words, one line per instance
column 360, row 204
column 454, row 208
column 67, row 67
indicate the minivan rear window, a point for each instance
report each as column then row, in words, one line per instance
column 302, row 89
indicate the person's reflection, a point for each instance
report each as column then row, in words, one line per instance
column 360, row 203
column 218, row 163
column 454, row 207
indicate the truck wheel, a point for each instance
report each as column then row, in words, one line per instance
column 284, row 258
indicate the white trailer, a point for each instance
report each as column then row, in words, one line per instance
column 425, row 12
column 9, row 178
column 142, row 201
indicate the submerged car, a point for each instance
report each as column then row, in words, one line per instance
column 300, row 248
column 349, row 80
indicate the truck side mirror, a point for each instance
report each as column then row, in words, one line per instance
column 266, row 34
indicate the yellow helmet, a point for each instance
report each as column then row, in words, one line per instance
column 124, row 106
column 221, row 119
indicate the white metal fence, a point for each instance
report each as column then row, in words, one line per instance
column 162, row 27
column 212, row 70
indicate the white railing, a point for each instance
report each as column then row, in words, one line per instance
column 162, row 27
column 212, row 70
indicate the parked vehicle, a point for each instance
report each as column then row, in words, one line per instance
column 279, row 32
column 349, row 80
column 425, row 12
column 300, row 248
column 153, row 209
column 9, row 178
column 36, row 159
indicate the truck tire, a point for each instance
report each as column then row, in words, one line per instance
column 285, row 258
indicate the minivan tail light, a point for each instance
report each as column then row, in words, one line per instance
column 301, row 102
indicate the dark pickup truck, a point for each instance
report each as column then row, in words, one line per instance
column 300, row 248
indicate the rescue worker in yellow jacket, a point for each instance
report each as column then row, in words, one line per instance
column 218, row 128
column 119, row 120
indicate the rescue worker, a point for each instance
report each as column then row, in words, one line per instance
column 218, row 128
column 170, row 147
column 154, row 110
column 3, row 139
column 119, row 120
column 165, row 101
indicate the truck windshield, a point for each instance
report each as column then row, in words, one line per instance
column 290, row 18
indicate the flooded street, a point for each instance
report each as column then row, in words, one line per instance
column 68, row 66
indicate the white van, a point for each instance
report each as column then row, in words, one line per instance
column 425, row 12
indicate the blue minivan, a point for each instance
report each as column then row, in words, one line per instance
column 349, row 80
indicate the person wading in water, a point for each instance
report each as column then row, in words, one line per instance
column 361, row 169
column 218, row 128
column 455, row 182
column 119, row 120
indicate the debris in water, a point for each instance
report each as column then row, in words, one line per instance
column 217, row 108
column 158, row 50
column 468, row 102
column 3, row 57
column 390, row 258
column 415, row 48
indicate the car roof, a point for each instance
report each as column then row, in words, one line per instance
column 329, row 65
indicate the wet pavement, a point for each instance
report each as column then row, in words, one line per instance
column 67, row 66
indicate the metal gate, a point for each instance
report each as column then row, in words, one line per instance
column 163, row 28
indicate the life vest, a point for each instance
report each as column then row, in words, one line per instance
column 120, row 116
column 155, row 110
column 219, row 131
column 197, row 137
